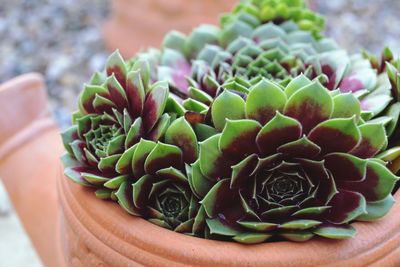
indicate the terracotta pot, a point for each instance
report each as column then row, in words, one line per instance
column 100, row 233
column 29, row 160
column 137, row 24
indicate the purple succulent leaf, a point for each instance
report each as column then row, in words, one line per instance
column 163, row 156
column 238, row 138
column 241, row 172
column 134, row 133
column 115, row 65
column 135, row 92
column 301, row 148
column 373, row 140
column 91, row 159
column 181, row 134
column 77, row 147
column 278, row 131
column 107, row 164
column 102, row 104
column 267, row 163
column 73, row 170
column 219, row 198
column 173, row 175
column 117, row 93
column 87, row 97
column 213, row 164
column 378, row 183
column 346, row 206
column 141, row 191
column 160, row 128
column 143, row 149
column 278, row 214
column 260, row 110
column 345, row 167
column 336, row 135
column 154, row 105
column 310, row 105
column 124, row 164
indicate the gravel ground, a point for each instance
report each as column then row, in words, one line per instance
column 62, row 40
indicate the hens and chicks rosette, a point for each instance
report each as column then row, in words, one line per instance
column 260, row 129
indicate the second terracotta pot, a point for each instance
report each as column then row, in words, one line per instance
column 100, row 233
column 137, row 24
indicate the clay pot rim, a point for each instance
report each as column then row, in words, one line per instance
column 32, row 78
column 39, row 122
column 128, row 233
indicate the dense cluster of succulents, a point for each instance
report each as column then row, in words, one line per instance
column 260, row 129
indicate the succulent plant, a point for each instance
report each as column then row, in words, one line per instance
column 277, row 52
column 260, row 129
column 292, row 163
column 159, row 190
column 116, row 109
column 248, row 12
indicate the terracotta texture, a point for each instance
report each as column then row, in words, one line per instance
column 137, row 24
column 29, row 150
column 100, row 232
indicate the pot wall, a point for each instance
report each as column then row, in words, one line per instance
column 30, row 147
column 138, row 24
column 100, row 233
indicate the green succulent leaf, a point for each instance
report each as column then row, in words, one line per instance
column 251, row 238
column 143, row 149
column 199, row 183
column 257, row 108
column 227, row 106
column 346, row 106
column 376, row 210
column 335, row 231
column 218, row 227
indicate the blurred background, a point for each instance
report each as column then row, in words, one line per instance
column 66, row 40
